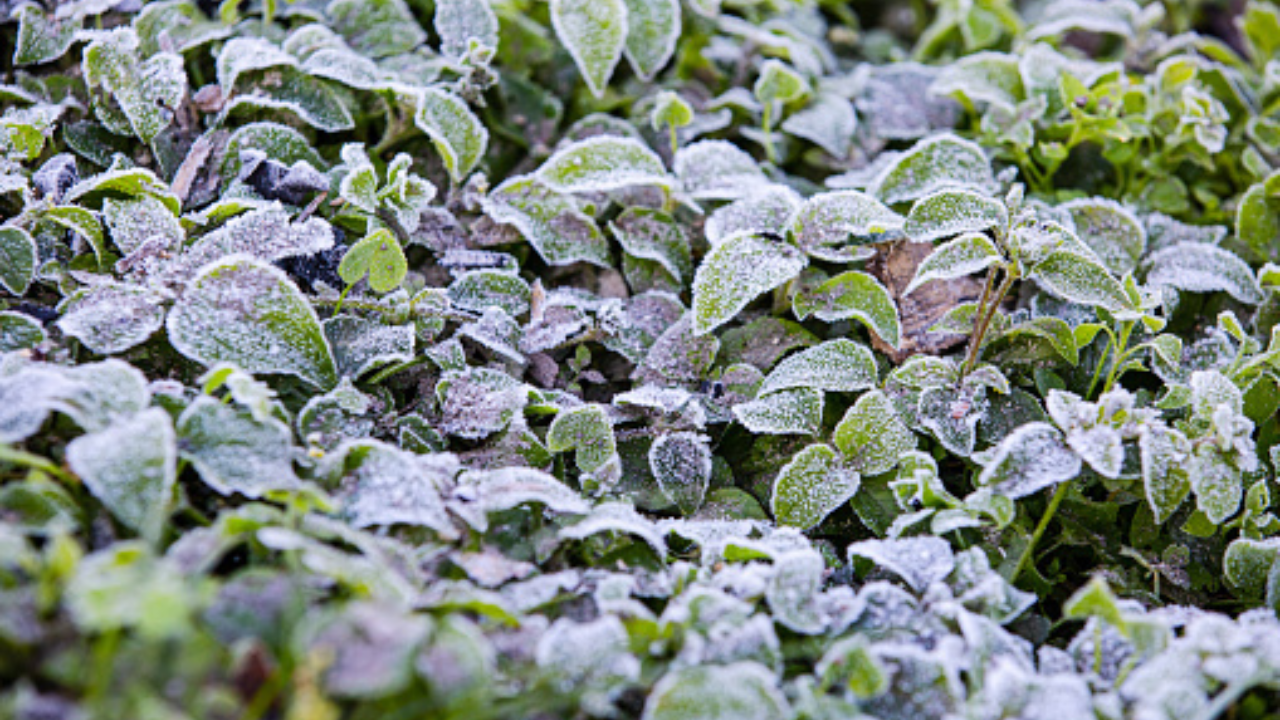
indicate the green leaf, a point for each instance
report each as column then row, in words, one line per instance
column 601, row 164
column 934, row 164
column 952, row 212
column 738, row 691
column 19, row 332
column 1247, row 563
column 595, row 34
column 42, row 38
column 717, row 170
column 1114, row 233
column 670, row 110
column 681, row 463
column 111, row 317
column 835, row 366
column 854, row 295
column 871, row 435
column 737, row 271
column 313, row 100
column 587, row 431
column 131, row 468
column 1094, row 600
column 148, row 92
column 359, row 187
column 1029, row 459
column 360, row 344
column 376, row 28
column 961, row 257
column 458, row 135
column 655, row 235
column 1200, row 268
column 380, row 257
column 243, row 311
column 787, row 412
column 83, row 223
column 811, row 486
column 18, row 257
column 989, row 77
column 1164, row 454
column 138, row 220
column 653, row 28
column 458, row 22
column 779, row 83
column 1217, row 483
column 1080, row 279
column 849, row 663
column 828, row 121
column 480, row 289
column 279, row 142
column 1258, row 221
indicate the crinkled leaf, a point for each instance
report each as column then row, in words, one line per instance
column 655, row 235
column 827, row 220
column 871, row 436
column 737, row 271
column 131, row 468
column 360, row 345
column 147, row 91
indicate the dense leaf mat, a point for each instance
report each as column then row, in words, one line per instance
column 665, row 359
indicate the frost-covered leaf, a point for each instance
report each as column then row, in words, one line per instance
column 233, row 451
column 360, row 345
column 509, row 487
column 139, row 220
column 1080, row 279
column 481, row 289
column 384, row 485
column 176, row 25
column 795, row 589
column 1110, row 230
column 594, row 656
column 370, row 645
column 595, row 34
column 19, row 332
column 112, row 317
column 18, row 257
column 478, row 402
column 1217, row 483
column 1200, row 268
column 968, row 254
column 131, row 468
column 920, row 561
column 617, row 517
column 458, row 135
column 681, row 463
column 83, row 223
column 458, row 22
column 813, row 484
column 1029, row 459
column 779, row 83
column 147, row 91
column 1101, row 447
column 245, row 54
column 737, row 271
column 376, row 28
column 266, row 234
column 834, row 366
column 1247, row 564
column 313, row 100
column 855, row 295
column 655, row 235
column 586, row 430
column 767, row 210
column 1258, row 221
column 552, row 223
column 42, row 38
column 952, row 212
column 740, row 691
column 379, row 257
column 931, row 165
column 871, row 436
column 653, row 28
column 828, row 122
column 1164, row 454
column 787, row 412
column 278, row 142
column 601, row 164
column 717, row 170
column 825, row 223
column 988, row 77
column 242, row 311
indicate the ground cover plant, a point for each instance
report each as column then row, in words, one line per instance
column 663, row 359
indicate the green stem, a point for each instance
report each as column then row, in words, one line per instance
column 986, row 314
column 1122, row 354
column 1040, row 530
column 338, row 307
column 766, row 126
column 387, row 372
column 675, row 143
column 975, row 339
column 1102, row 361
column 35, row 462
column 1229, row 697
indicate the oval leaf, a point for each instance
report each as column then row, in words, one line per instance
column 737, row 271
column 811, row 486
column 595, row 33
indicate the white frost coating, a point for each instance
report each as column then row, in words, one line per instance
column 952, row 212
column 509, row 487
column 360, row 344
column 810, row 487
column 266, row 234
column 289, row 88
column 765, row 210
column 787, row 412
column 1112, row 231
column 871, row 435
column 135, row 221
column 589, row 653
column 552, row 223
column 243, row 54
column 1200, row 268
column 497, row 331
column 457, row 22
column 601, row 164
column 681, row 463
column 828, row 122
column 1111, row 17
column 131, row 468
column 653, row 28
column 737, row 271
column 963, row 256
column 617, row 517
column 458, row 135
column 233, row 451
column 1077, row 278
column 795, row 590
column 656, row 236
column 989, row 77
column 739, row 691
column 1029, row 459
column 857, row 295
column 389, row 486
column 243, row 311
column 934, row 164
column 595, row 34
column 834, row 366
column 1101, row 447
column 717, row 170
column 828, row 219
column 112, row 317
column 921, row 561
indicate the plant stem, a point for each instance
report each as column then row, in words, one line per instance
column 387, row 372
column 1229, row 696
column 1049, row 512
column 35, row 462
column 766, row 126
column 338, row 307
column 987, row 313
column 1122, row 354
column 975, row 338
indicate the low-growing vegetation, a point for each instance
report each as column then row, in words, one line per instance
column 662, row 359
